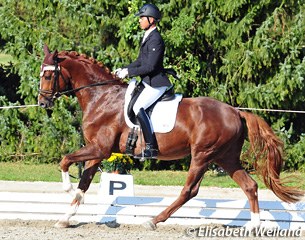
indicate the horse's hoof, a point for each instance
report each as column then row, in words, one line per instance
column 250, row 226
column 150, row 225
column 62, row 224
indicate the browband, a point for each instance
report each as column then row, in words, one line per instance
column 44, row 68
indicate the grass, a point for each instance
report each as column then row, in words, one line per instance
column 51, row 173
column 33, row 172
column 5, row 58
column 178, row 178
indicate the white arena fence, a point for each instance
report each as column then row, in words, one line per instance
column 136, row 210
column 123, row 207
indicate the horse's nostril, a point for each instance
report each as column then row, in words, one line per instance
column 41, row 104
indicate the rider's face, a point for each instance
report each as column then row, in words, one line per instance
column 144, row 24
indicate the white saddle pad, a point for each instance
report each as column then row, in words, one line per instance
column 164, row 114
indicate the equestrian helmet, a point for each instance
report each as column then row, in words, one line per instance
column 149, row 10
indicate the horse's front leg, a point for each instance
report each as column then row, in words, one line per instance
column 63, row 222
column 79, row 194
column 89, row 153
column 66, row 182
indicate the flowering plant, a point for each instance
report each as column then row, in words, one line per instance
column 117, row 163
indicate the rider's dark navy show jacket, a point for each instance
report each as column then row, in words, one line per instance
column 149, row 64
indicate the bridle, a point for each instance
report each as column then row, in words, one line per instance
column 55, row 93
column 51, row 95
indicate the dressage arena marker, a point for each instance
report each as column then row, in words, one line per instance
column 116, row 185
column 138, row 209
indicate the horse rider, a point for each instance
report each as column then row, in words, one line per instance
column 149, row 66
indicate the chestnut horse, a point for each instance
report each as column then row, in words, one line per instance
column 209, row 130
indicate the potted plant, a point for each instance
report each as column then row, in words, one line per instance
column 117, row 163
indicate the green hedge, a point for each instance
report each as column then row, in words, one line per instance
column 245, row 53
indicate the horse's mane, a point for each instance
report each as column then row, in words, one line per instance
column 91, row 61
column 84, row 58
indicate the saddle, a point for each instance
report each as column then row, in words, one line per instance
column 168, row 95
column 162, row 113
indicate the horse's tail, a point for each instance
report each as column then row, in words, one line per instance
column 268, row 150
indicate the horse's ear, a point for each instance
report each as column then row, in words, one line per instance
column 55, row 55
column 56, row 58
column 46, row 49
column 59, row 60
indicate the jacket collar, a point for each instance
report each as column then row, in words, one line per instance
column 147, row 35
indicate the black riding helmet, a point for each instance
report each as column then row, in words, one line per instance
column 149, row 10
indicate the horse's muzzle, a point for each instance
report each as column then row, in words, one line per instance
column 44, row 103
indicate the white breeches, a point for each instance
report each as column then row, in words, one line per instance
column 147, row 97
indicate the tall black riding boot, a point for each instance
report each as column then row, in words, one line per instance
column 151, row 146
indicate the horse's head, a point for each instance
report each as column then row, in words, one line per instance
column 53, row 79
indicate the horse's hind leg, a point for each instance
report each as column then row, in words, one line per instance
column 190, row 190
column 249, row 186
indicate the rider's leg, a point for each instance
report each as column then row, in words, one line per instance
column 147, row 97
column 151, row 146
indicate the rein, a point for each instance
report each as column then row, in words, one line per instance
column 59, row 94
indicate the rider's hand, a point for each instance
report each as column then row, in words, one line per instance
column 116, row 71
column 121, row 72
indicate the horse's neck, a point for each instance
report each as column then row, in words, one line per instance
column 88, row 75
column 103, row 102
column 84, row 75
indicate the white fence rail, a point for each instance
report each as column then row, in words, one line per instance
column 136, row 210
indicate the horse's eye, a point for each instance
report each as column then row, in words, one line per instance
column 48, row 75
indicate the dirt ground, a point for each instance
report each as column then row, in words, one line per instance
column 38, row 230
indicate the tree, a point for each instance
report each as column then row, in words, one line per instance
column 245, row 53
